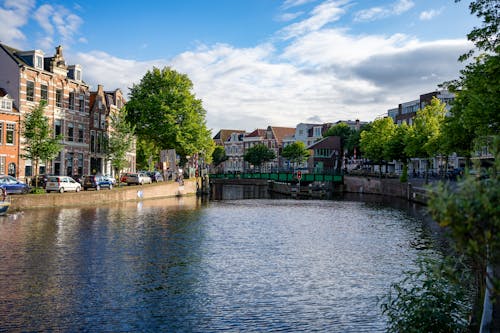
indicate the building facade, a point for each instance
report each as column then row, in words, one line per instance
column 30, row 77
column 9, row 136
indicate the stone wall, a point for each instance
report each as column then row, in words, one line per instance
column 104, row 196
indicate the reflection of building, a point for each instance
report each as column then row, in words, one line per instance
column 102, row 105
column 30, row 77
column 9, row 136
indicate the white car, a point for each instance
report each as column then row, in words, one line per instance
column 139, row 178
column 62, row 184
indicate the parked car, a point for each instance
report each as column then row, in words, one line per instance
column 123, row 177
column 42, row 180
column 139, row 178
column 62, row 184
column 155, row 176
column 111, row 179
column 96, row 182
column 13, row 185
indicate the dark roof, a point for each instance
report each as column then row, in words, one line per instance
column 331, row 142
column 224, row 134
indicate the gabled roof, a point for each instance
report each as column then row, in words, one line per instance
column 331, row 142
column 256, row 133
column 281, row 132
column 13, row 53
column 224, row 134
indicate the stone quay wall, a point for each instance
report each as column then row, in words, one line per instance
column 104, row 196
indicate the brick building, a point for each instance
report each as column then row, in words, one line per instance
column 9, row 135
column 30, row 77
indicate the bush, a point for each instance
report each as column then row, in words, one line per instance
column 37, row 190
column 428, row 299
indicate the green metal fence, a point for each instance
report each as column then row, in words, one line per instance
column 282, row 177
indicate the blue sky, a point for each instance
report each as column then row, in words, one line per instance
column 256, row 63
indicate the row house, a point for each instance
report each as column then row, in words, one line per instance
column 104, row 104
column 30, row 77
column 234, row 149
column 9, row 135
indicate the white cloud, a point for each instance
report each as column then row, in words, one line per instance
column 430, row 14
column 295, row 3
column 13, row 16
column 376, row 13
column 321, row 15
column 289, row 16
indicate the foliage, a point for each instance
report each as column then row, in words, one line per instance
column 218, row 155
column 167, row 114
column 353, row 142
column 341, row 130
column 471, row 211
column 486, row 37
column 259, row 154
column 424, row 136
column 120, row 140
column 295, row 152
column 374, row 141
column 40, row 145
column 428, row 300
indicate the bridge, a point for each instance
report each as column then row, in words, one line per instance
column 286, row 177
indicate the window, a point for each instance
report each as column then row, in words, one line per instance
column 96, row 120
column 39, row 61
column 70, row 131
column 58, row 127
column 59, row 96
column 11, row 170
column 103, row 121
column 99, row 142
column 78, row 75
column 92, row 141
column 69, row 164
column 71, row 100
column 80, row 163
column 1, row 133
column 44, row 92
column 80, row 133
column 317, row 131
column 10, row 134
column 82, row 103
column 2, row 165
column 6, row 104
column 30, row 91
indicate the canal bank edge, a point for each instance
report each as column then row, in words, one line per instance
column 104, row 196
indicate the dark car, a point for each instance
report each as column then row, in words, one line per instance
column 12, row 185
column 155, row 176
column 96, row 182
column 42, row 180
column 78, row 178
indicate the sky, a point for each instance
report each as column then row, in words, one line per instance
column 257, row 63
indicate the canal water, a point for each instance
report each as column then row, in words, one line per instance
column 180, row 265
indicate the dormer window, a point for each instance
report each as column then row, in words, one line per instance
column 5, row 104
column 38, row 61
column 75, row 72
column 78, row 75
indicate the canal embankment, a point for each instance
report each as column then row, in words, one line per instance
column 104, row 196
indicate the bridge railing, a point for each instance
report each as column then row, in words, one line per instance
column 282, row 176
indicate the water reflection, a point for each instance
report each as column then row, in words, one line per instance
column 182, row 265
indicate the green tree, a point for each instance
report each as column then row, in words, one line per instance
column 395, row 148
column 295, row 152
column 40, row 145
column 218, row 156
column 259, row 154
column 166, row 113
column 424, row 137
column 344, row 132
column 120, row 140
column 373, row 142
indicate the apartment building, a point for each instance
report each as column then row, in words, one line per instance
column 30, row 77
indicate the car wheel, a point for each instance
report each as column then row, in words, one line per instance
column 61, row 190
column 97, row 188
column 110, row 186
column 78, row 189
